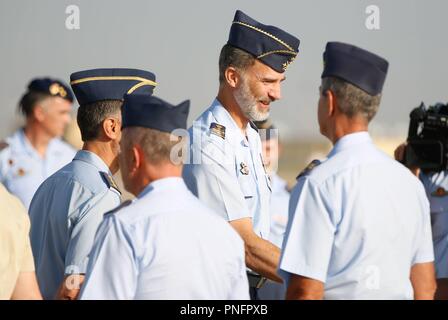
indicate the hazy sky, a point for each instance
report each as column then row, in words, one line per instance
column 180, row 42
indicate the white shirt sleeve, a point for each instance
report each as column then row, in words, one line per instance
column 240, row 287
column 425, row 250
column 310, row 233
column 112, row 270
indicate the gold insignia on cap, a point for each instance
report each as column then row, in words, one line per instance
column 292, row 53
column 287, row 63
column 440, row 192
column 141, row 81
column 21, row 172
column 54, row 89
column 244, row 169
column 266, row 34
column 57, row 90
column 218, row 130
column 289, row 49
column 62, row 92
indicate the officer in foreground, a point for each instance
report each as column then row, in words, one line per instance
column 35, row 152
column 359, row 224
column 225, row 169
column 69, row 206
column 165, row 244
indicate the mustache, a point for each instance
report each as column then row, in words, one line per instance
column 266, row 100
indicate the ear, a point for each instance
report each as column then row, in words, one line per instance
column 331, row 103
column 39, row 112
column 112, row 128
column 133, row 158
column 232, row 77
column 137, row 157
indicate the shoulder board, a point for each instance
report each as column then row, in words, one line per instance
column 121, row 206
column 218, row 130
column 313, row 164
column 110, row 181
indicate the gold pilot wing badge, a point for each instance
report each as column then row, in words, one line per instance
column 244, row 169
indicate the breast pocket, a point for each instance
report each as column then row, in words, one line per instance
column 247, row 186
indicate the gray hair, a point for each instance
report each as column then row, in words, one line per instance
column 237, row 58
column 158, row 147
column 352, row 100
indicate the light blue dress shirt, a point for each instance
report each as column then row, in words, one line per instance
column 436, row 186
column 65, row 214
column 225, row 169
column 358, row 222
column 166, row 245
column 22, row 169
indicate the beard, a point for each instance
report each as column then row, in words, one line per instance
column 249, row 103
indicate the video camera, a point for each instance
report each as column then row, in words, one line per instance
column 427, row 143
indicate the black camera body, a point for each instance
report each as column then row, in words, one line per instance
column 427, row 143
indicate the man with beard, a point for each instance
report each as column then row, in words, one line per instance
column 68, row 207
column 226, row 169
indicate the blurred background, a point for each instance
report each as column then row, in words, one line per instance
column 180, row 42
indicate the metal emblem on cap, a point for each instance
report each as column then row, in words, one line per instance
column 287, row 63
column 54, row 89
column 62, row 92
